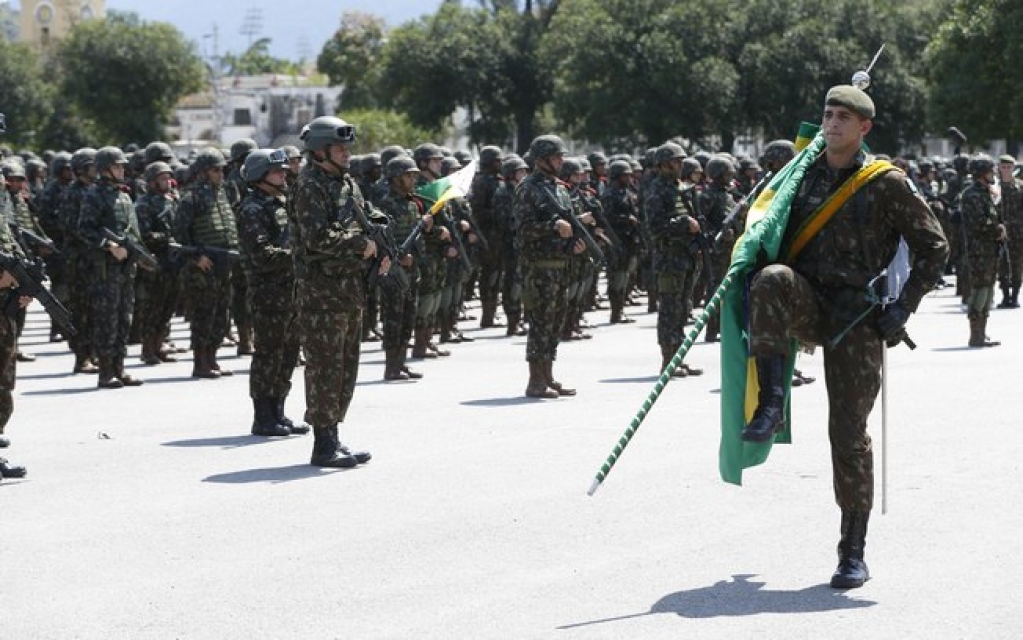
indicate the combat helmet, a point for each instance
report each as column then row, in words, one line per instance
column 718, row 166
column 82, row 159
column 400, row 165
column 156, row 168
column 208, row 158
column 777, row 154
column 259, row 162
column 61, row 161
column 325, row 131
column 107, row 157
column 570, row 167
column 490, row 157
column 426, row 152
column 980, row 164
column 511, row 164
column 547, row 145
column 242, row 148
column 619, row 168
column 667, row 152
column 158, row 151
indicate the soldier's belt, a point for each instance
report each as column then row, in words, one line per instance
column 549, row 264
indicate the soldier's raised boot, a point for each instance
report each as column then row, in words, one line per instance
column 537, row 385
column 264, row 420
column 769, row 416
column 852, row 571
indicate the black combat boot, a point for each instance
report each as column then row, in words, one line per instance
column 211, row 358
column 402, row 355
column 392, row 365
column 770, row 414
column 264, row 420
column 277, row 403
column 667, row 353
column 1014, row 301
column 852, row 570
column 8, row 470
column 988, row 342
column 201, row 367
column 326, row 450
column 126, row 379
column 361, row 457
column 4, row 442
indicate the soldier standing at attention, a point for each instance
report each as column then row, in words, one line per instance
column 484, row 185
column 331, row 254
column 107, row 206
column 622, row 212
column 984, row 233
column 818, row 291
column 671, row 214
column 514, row 171
column 205, row 219
column 157, row 290
column 76, row 259
column 263, row 239
column 542, row 205
column 1012, row 218
column 716, row 202
column 398, row 308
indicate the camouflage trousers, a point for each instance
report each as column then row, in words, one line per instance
column 210, row 294
column 78, row 271
column 785, row 306
column 8, row 367
column 722, row 259
column 240, row 311
column 432, row 272
column 491, row 268
column 454, row 287
column 155, row 302
column 674, row 290
column 276, row 341
column 113, row 300
column 511, row 283
column 618, row 278
column 983, row 271
column 543, row 298
column 1010, row 272
column 332, row 341
column 398, row 311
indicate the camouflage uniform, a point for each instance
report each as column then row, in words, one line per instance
column 157, row 291
column 981, row 221
column 267, row 260
column 398, row 308
column 205, row 219
column 112, row 290
column 622, row 211
column 79, row 273
column 8, row 330
column 1012, row 216
column 330, row 290
column 716, row 202
column 823, row 291
column 484, row 189
column 433, row 271
column 669, row 209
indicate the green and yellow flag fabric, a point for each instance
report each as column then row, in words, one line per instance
column 765, row 227
column 455, row 185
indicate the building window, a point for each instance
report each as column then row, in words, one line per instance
column 242, row 117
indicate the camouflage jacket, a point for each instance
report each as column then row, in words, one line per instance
column 669, row 206
column 622, row 212
column 69, row 210
column 1012, row 209
column 716, row 203
column 981, row 217
column 504, row 216
column 106, row 206
column 484, row 187
column 264, row 242
column 48, row 210
column 157, row 213
column 404, row 213
column 861, row 239
column 328, row 241
column 540, row 201
column 205, row 217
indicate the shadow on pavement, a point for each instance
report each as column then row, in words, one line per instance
column 502, row 402
column 273, row 475
column 742, row 597
column 226, row 442
column 954, row 349
column 647, row 379
column 61, row 392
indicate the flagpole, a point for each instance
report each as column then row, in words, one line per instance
column 709, row 311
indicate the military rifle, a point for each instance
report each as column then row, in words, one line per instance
column 579, row 231
column 395, row 277
column 740, row 207
column 29, row 276
column 28, row 238
column 222, row 258
column 137, row 252
column 456, row 238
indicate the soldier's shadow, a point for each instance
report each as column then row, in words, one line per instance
column 272, row 475
column 503, row 402
column 640, row 379
column 224, row 442
column 742, row 596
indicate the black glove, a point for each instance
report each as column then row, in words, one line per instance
column 891, row 324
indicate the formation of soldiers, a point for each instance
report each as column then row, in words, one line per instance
column 280, row 252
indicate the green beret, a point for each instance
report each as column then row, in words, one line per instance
column 846, row 95
column 1007, row 158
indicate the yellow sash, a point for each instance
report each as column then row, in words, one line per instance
column 813, row 224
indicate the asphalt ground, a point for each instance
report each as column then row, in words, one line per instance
column 151, row 513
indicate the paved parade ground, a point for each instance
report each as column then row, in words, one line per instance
column 151, row 513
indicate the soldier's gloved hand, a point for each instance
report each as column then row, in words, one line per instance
column 891, row 324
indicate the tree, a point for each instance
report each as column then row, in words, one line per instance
column 642, row 71
column 377, row 129
column 257, row 60
column 24, row 96
column 351, row 58
column 126, row 75
column 975, row 64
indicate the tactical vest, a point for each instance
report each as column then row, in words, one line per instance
column 214, row 223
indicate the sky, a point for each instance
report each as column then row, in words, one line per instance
column 296, row 27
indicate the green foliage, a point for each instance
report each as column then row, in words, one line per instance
column 351, row 58
column 126, row 76
column 257, row 60
column 24, row 96
column 975, row 65
column 377, row 129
